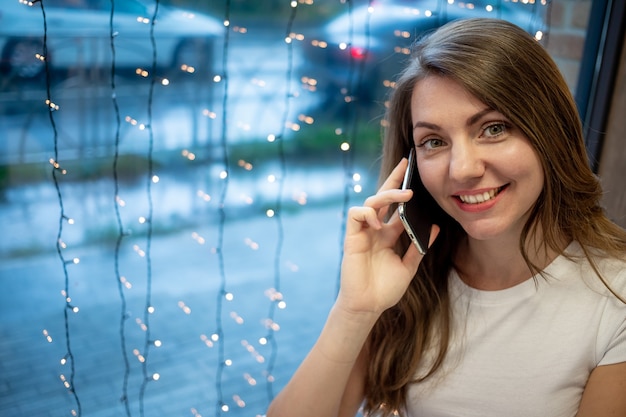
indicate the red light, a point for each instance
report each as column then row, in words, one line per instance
column 358, row 53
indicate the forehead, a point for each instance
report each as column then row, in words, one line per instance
column 438, row 96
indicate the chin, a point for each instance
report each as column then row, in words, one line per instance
column 484, row 232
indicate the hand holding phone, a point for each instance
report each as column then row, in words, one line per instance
column 419, row 213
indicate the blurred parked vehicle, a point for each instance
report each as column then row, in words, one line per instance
column 360, row 51
column 78, row 37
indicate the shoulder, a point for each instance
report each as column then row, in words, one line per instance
column 605, row 277
column 600, row 273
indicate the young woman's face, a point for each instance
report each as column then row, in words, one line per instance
column 479, row 167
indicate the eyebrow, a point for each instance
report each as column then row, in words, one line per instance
column 470, row 121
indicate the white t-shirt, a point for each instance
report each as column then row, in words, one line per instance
column 527, row 350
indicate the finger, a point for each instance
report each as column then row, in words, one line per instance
column 393, row 229
column 434, row 232
column 385, row 198
column 394, row 180
column 358, row 216
column 411, row 259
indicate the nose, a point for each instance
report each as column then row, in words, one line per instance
column 466, row 162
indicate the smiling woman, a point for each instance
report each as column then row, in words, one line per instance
column 519, row 306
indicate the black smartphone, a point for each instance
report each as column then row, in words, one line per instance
column 420, row 212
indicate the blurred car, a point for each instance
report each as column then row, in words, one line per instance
column 358, row 53
column 78, row 36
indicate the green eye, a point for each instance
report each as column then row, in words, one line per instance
column 495, row 129
column 431, row 143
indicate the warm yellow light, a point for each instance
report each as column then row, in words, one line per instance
column 206, row 340
column 186, row 309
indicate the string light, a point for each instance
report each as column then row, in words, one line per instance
column 207, row 341
column 68, row 383
column 186, row 309
column 47, row 336
column 53, row 106
column 217, row 335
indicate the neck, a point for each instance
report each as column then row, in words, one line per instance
column 496, row 264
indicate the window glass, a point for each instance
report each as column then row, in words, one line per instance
column 185, row 205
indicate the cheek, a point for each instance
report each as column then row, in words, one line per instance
column 432, row 175
column 539, row 179
column 525, row 163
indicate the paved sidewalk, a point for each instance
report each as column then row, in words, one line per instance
column 185, row 276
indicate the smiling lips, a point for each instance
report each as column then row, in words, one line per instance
column 480, row 198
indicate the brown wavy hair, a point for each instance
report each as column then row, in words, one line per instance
column 509, row 71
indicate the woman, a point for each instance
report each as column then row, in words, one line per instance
column 518, row 306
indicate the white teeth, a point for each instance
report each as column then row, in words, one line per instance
column 479, row 198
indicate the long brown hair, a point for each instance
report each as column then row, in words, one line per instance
column 509, row 71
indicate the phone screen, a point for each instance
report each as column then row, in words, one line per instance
column 419, row 213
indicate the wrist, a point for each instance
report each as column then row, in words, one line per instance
column 344, row 334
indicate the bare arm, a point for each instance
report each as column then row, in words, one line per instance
column 327, row 381
column 605, row 393
column 330, row 380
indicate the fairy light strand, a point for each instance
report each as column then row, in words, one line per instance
column 219, row 331
column 353, row 82
column 69, row 356
column 120, row 226
column 149, row 181
column 278, row 212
